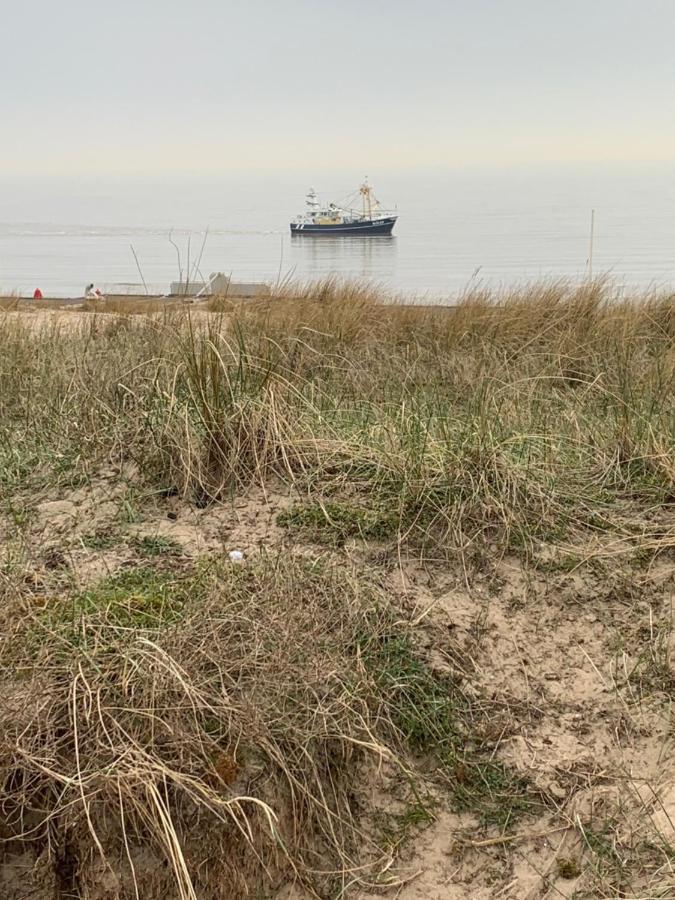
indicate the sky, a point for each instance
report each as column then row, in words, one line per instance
column 202, row 87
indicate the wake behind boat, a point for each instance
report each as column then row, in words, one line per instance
column 342, row 219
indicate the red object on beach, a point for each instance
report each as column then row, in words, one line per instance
column 37, row 295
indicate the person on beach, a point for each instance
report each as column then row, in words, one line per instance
column 37, row 294
column 92, row 293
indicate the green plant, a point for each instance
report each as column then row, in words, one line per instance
column 101, row 539
column 135, row 598
column 157, row 545
column 335, row 521
column 430, row 713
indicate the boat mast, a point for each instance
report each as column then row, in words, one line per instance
column 367, row 199
column 312, row 201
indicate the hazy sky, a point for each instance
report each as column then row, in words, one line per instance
column 215, row 86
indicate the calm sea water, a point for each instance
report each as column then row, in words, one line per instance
column 456, row 228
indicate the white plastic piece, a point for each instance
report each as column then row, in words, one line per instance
column 236, row 555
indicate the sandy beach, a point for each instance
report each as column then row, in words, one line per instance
column 315, row 577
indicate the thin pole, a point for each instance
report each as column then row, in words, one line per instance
column 138, row 266
column 201, row 253
column 590, row 249
column 177, row 248
column 187, row 269
column 281, row 261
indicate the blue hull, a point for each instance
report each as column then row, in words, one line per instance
column 380, row 226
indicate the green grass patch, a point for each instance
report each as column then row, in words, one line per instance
column 435, row 719
column 140, row 599
column 425, row 706
column 497, row 793
column 334, row 522
column 101, row 539
column 157, row 545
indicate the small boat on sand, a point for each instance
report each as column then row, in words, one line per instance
column 336, row 219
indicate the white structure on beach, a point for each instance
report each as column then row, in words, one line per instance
column 220, row 285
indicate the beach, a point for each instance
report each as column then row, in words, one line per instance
column 320, row 594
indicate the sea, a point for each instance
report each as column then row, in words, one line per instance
column 458, row 229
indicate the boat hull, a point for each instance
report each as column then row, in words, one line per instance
column 378, row 226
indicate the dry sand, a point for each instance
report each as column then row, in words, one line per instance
column 552, row 649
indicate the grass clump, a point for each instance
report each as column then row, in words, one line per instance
column 255, row 697
column 507, row 420
column 157, row 545
column 333, row 522
column 101, row 539
column 426, row 706
column 431, row 714
column 139, row 598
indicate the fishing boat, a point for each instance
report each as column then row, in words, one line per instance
column 370, row 219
